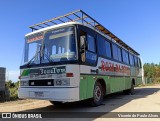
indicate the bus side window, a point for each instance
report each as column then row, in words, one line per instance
column 104, row 47
column 125, row 56
column 131, row 59
column 117, row 52
column 101, row 48
column 91, row 43
column 108, row 49
column 136, row 61
column 91, row 55
column 139, row 63
column 88, row 48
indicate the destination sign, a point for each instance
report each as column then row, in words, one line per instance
column 35, row 38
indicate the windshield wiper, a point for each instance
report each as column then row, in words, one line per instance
column 46, row 55
column 49, row 59
column 29, row 62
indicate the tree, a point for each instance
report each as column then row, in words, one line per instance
column 10, row 84
column 152, row 70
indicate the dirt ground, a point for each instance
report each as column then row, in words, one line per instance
column 146, row 99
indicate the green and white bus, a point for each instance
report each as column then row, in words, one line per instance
column 75, row 60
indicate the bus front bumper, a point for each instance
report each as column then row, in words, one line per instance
column 52, row 94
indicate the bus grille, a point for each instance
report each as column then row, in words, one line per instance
column 46, row 82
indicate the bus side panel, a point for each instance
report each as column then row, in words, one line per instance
column 117, row 84
column 139, row 77
column 86, row 86
column 87, row 83
column 120, row 83
column 113, row 84
column 133, row 76
column 83, row 87
column 108, row 84
column 90, row 86
column 139, row 80
column 127, row 82
column 136, row 74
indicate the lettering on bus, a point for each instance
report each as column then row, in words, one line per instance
column 112, row 67
column 54, row 70
column 50, row 70
column 35, row 38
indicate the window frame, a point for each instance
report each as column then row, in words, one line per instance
column 92, row 33
column 135, row 59
column 113, row 49
column 139, row 63
column 104, row 42
column 95, row 50
column 110, row 52
column 118, row 55
column 126, row 52
column 133, row 63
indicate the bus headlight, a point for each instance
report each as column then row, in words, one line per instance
column 62, row 82
column 24, row 83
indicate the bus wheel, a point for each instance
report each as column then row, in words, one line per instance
column 129, row 91
column 56, row 103
column 132, row 91
column 97, row 95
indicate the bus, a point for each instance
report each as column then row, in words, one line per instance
column 72, row 58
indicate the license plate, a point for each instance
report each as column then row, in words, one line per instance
column 39, row 94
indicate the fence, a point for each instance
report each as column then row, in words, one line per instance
column 148, row 80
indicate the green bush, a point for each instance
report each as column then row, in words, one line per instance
column 13, row 93
column 157, row 80
column 13, row 89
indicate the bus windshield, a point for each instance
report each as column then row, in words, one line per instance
column 53, row 46
column 60, row 45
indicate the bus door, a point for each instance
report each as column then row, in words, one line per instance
column 88, row 62
column 88, row 51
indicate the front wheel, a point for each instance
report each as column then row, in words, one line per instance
column 97, row 95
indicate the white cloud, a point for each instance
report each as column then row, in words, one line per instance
column 12, row 75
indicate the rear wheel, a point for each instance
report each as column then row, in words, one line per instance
column 130, row 91
column 97, row 95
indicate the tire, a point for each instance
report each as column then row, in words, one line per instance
column 56, row 103
column 97, row 95
column 132, row 91
column 129, row 91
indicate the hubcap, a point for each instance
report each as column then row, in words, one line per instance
column 97, row 93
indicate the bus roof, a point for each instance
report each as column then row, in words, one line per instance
column 82, row 17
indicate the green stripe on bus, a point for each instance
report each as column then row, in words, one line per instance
column 113, row 84
column 87, row 85
column 25, row 72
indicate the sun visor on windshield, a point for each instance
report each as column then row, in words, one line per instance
column 60, row 35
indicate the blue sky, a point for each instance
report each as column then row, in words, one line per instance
column 136, row 22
